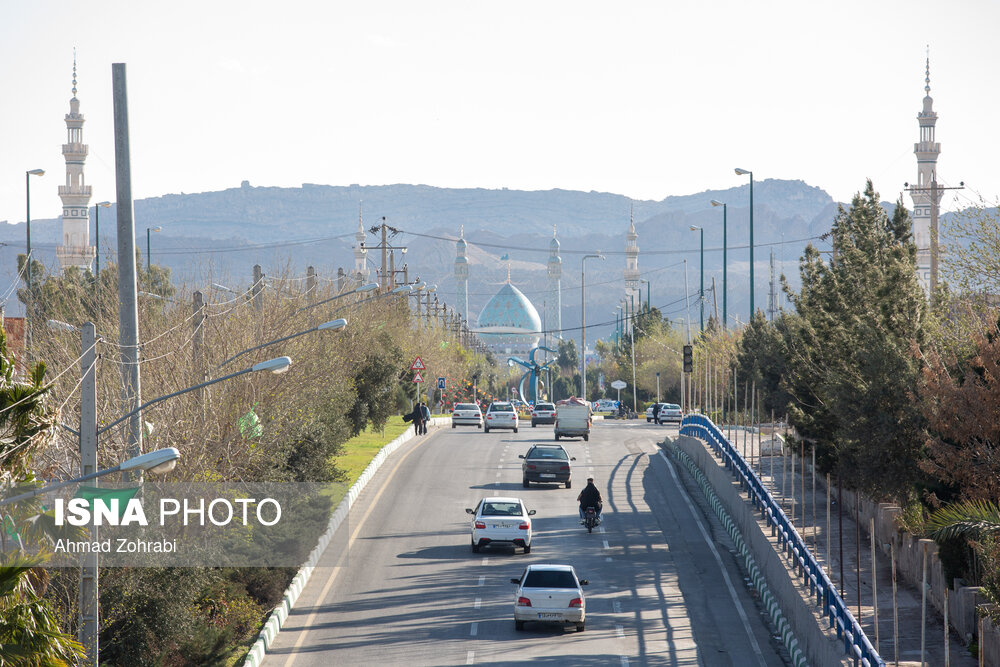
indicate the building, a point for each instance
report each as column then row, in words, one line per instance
column 925, row 193
column 75, row 194
column 553, row 302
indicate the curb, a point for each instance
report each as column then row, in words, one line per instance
column 280, row 613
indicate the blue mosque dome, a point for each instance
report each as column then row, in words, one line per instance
column 513, row 319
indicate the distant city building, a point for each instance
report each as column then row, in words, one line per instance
column 462, row 273
column 553, row 302
column 75, row 194
column 927, row 151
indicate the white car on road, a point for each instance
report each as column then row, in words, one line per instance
column 548, row 593
column 466, row 414
column 669, row 412
column 500, row 415
column 501, row 521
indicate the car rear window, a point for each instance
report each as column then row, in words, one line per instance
column 545, row 406
column 547, row 453
column 466, row 406
column 550, row 579
column 671, row 406
column 501, row 407
column 502, row 509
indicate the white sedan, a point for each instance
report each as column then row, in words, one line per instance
column 466, row 414
column 549, row 593
column 503, row 521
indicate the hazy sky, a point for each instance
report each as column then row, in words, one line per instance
column 645, row 99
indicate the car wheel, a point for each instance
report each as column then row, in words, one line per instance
column 532, row 424
column 475, row 548
column 479, row 425
column 527, row 548
column 525, row 483
column 569, row 484
column 453, row 426
column 557, row 436
column 586, row 437
column 580, row 627
column 518, row 625
column 515, row 429
column 486, row 429
column 648, row 420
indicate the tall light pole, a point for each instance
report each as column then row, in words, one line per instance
column 742, row 172
column 649, row 306
column 27, row 258
column 583, row 323
column 97, row 238
column 149, row 259
column 701, row 284
column 716, row 202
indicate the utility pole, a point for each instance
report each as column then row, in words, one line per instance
column 258, row 287
column 311, row 279
column 89, row 609
column 715, row 300
column 128, row 306
column 772, row 297
column 198, row 339
column 385, row 284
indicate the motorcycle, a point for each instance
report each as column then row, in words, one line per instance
column 590, row 519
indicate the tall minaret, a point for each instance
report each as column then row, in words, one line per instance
column 462, row 274
column 75, row 249
column 553, row 303
column 360, row 265
column 632, row 293
column 927, row 151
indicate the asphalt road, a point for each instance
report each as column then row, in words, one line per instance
column 400, row 584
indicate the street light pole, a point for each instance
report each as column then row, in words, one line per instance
column 97, row 240
column 701, row 287
column 742, row 172
column 149, row 257
column 27, row 258
column 716, row 202
column 583, row 322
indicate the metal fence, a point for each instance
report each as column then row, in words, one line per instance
column 856, row 643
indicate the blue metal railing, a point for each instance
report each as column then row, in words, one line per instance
column 856, row 644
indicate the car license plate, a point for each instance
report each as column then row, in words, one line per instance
column 548, row 475
column 497, row 525
column 555, row 616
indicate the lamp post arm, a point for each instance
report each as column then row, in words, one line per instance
column 262, row 345
column 160, row 399
column 58, row 485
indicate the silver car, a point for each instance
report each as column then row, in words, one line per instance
column 669, row 412
column 549, row 593
column 501, row 521
column 466, row 414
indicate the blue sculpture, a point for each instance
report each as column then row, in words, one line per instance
column 534, row 371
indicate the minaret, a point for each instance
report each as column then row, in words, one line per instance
column 632, row 293
column 360, row 265
column 927, row 151
column 462, row 274
column 553, row 303
column 75, row 249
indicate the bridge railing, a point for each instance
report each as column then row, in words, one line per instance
column 856, row 643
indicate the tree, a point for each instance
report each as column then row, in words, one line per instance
column 761, row 361
column 568, row 360
column 852, row 375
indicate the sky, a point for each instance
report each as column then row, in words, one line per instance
column 645, row 98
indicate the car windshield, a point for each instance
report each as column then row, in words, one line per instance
column 465, row 406
column 501, row 407
column 547, row 453
column 545, row 406
column 502, row 509
column 550, row 579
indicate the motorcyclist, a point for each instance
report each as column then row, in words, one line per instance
column 590, row 497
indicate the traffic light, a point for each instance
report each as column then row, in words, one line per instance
column 688, row 359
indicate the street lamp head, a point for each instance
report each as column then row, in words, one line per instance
column 742, row 172
column 716, row 202
column 431, row 288
column 403, row 250
column 402, row 288
column 419, row 287
column 278, row 365
column 154, row 229
column 335, row 325
column 367, row 287
column 36, row 172
column 57, row 324
column 103, row 204
column 694, row 228
column 158, row 462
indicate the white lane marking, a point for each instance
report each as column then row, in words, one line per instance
column 718, row 559
column 470, row 658
column 482, row 579
column 478, row 603
column 486, row 561
column 600, row 528
column 606, row 545
column 608, row 559
column 619, row 630
column 624, row 661
column 499, row 467
column 474, row 630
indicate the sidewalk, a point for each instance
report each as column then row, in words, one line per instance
column 786, row 486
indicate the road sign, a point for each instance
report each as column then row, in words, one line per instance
column 418, row 365
column 618, row 384
column 417, row 378
column 441, row 384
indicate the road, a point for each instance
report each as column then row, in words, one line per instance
column 400, row 584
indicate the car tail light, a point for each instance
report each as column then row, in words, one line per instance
column 480, row 525
column 523, row 602
column 534, row 414
column 524, row 525
column 564, row 467
column 489, row 416
column 576, row 602
column 532, row 466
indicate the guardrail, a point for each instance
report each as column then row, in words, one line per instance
column 856, row 643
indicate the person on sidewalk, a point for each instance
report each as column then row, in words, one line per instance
column 425, row 417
